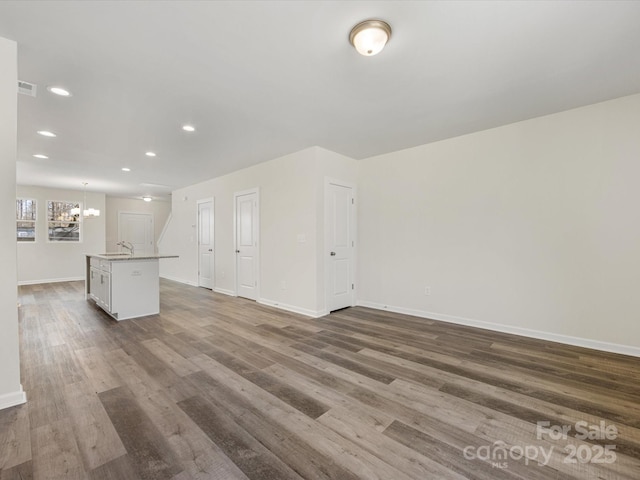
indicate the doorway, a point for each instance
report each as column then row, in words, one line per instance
column 246, row 233
column 137, row 229
column 206, row 257
column 339, row 244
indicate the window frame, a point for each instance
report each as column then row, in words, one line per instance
column 34, row 221
column 79, row 222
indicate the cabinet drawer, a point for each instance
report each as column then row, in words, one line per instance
column 95, row 262
column 105, row 265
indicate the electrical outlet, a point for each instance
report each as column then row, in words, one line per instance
column 427, row 291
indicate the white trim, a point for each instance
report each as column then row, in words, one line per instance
column 354, row 237
column 224, row 291
column 50, row 280
column 12, row 399
column 498, row 327
column 179, row 280
column 250, row 191
column 290, row 308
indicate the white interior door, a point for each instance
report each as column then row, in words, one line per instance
column 246, row 240
column 205, row 244
column 137, row 228
column 339, row 205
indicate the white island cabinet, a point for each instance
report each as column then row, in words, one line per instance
column 125, row 286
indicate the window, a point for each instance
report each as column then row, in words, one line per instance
column 26, row 220
column 63, row 221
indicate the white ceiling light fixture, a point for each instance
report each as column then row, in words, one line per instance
column 46, row 133
column 89, row 212
column 188, row 128
column 40, row 155
column 126, row 169
column 147, row 199
column 370, row 37
column 150, row 154
column 63, row 92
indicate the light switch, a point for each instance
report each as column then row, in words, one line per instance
column 302, row 238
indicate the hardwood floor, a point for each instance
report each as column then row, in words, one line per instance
column 223, row 388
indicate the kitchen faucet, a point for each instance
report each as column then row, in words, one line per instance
column 127, row 245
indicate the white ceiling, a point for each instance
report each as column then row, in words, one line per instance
column 260, row 79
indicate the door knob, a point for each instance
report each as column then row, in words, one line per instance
column 211, row 249
column 237, row 251
column 333, row 254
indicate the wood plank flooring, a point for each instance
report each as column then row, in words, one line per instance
column 217, row 387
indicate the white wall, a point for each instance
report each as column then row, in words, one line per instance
column 530, row 226
column 10, row 389
column 43, row 261
column 289, row 205
column 159, row 209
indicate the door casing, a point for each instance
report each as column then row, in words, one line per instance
column 212, row 241
column 327, row 243
column 149, row 216
column 256, row 230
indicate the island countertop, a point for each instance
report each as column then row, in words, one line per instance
column 123, row 285
column 126, row 256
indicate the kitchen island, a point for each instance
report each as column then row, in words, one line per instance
column 123, row 285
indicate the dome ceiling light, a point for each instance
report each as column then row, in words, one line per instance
column 63, row 92
column 46, row 133
column 370, row 37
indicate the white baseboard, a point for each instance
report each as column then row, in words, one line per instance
column 224, row 291
column 290, row 308
column 498, row 327
column 12, row 399
column 179, row 280
column 50, row 280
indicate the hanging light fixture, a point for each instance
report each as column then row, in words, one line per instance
column 88, row 212
column 370, row 37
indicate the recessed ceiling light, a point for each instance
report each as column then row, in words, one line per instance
column 39, row 155
column 150, row 154
column 46, row 133
column 189, row 128
column 146, row 199
column 125, row 169
column 63, row 92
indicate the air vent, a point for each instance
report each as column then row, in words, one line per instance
column 156, row 185
column 27, row 88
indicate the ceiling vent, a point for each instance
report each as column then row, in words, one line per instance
column 156, row 185
column 27, row 88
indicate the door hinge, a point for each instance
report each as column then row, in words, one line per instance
column 353, row 201
column 352, row 287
